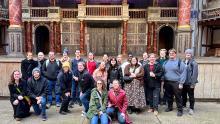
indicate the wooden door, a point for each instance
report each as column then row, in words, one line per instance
column 104, row 40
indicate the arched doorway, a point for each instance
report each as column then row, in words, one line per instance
column 166, row 38
column 42, row 39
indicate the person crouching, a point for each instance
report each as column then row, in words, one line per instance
column 65, row 80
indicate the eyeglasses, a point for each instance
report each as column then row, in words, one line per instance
column 99, row 83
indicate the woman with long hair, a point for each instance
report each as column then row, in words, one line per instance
column 98, row 103
column 101, row 73
column 19, row 101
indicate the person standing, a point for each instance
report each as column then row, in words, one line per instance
column 98, row 103
column 135, row 89
column 119, row 60
column 86, row 84
column 174, row 78
column 18, row 96
column 27, row 65
column 91, row 64
column 75, row 87
column 191, row 80
column 37, row 88
column 41, row 59
column 51, row 68
column 152, row 79
column 144, row 61
column 114, row 72
column 64, row 78
column 118, row 103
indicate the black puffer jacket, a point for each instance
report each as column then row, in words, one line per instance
column 65, row 81
column 153, row 81
column 26, row 68
column 36, row 88
column 86, row 81
column 115, row 73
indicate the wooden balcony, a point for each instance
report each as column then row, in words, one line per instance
column 103, row 12
column 209, row 14
column 41, row 14
column 163, row 14
column 4, row 14
column 138, row 13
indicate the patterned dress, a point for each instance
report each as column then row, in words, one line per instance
column 135, row 89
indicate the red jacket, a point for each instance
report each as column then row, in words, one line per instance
column 120, row 101
column 91, row 66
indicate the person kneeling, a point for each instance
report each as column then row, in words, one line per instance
column 37, row 87
column 97, row 105
column 65, row 81
column 118, row 103
column 19, row 101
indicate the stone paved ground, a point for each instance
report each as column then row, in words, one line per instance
column 205, row 113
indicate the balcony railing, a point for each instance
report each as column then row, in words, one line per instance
column 4, row 14
column 103, row 10
column 162, row 14
column 138, row 13
column 69, row 13
column 208, row 14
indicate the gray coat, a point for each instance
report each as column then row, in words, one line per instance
column 192, row 72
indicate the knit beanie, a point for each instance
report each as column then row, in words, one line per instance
column 66, row 64
column 35, row 69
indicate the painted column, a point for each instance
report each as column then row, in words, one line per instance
column 29, row 37
column 154, row 37
column 15, row 29
column 82, row 37
column 184, row 30
column 58, row 36
column 52, row 45
column 149, row 37
column 124, row 39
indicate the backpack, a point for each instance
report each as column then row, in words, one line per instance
column 47, row 62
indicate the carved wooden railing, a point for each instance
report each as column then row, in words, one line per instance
column 4, row 14
column 162, row 14
column 69, row 13
column 213, row 13
column 104, row 10
column 137, row 13
column 41, row 13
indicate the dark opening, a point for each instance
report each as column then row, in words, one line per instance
column 42, row 39
column 166, row 37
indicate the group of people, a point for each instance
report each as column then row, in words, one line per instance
column 107, row 89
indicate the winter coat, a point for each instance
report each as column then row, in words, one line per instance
column 154, row 82
column 191, row 72
column 26, row 68
column 51, row 70
column 115, row 73
column 86, row 81
column 139, row 75
column 96, row 105
column 65, row 81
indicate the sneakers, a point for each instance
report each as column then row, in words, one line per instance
column 67, row 111
column 168, row 109
column 83, row 114
column 150, row 110
column 44, row 118
column 58, row 105
column 18, row 119
column 191, row 112
column 62, row 113
column 179, row 113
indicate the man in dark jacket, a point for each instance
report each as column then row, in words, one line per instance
column 37, row 88
column 27, row 65
column 86, row 83
column 191, row 80
column 41, row 59
column 64, row 78
column 51, row 68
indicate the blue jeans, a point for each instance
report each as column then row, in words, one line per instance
column 154, row 94
column 112, row 111
column 103, row 118
column 85, row 99
column 53, row 85
column 75, row 91
column 41, row 110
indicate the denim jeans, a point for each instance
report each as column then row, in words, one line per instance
column 154, row 94
column 112, row 111
column 41, row 110
column 53, row 86
column 103, row 119
column 85, row 99
column 75, row 91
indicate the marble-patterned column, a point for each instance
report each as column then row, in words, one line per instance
column 82, row 37
column 52, row 43
column 29, row 37
column 149, row 37
column 124, row 38
column 154, row 37
column 184, row 30
column 15, row 28
column 58, row 38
